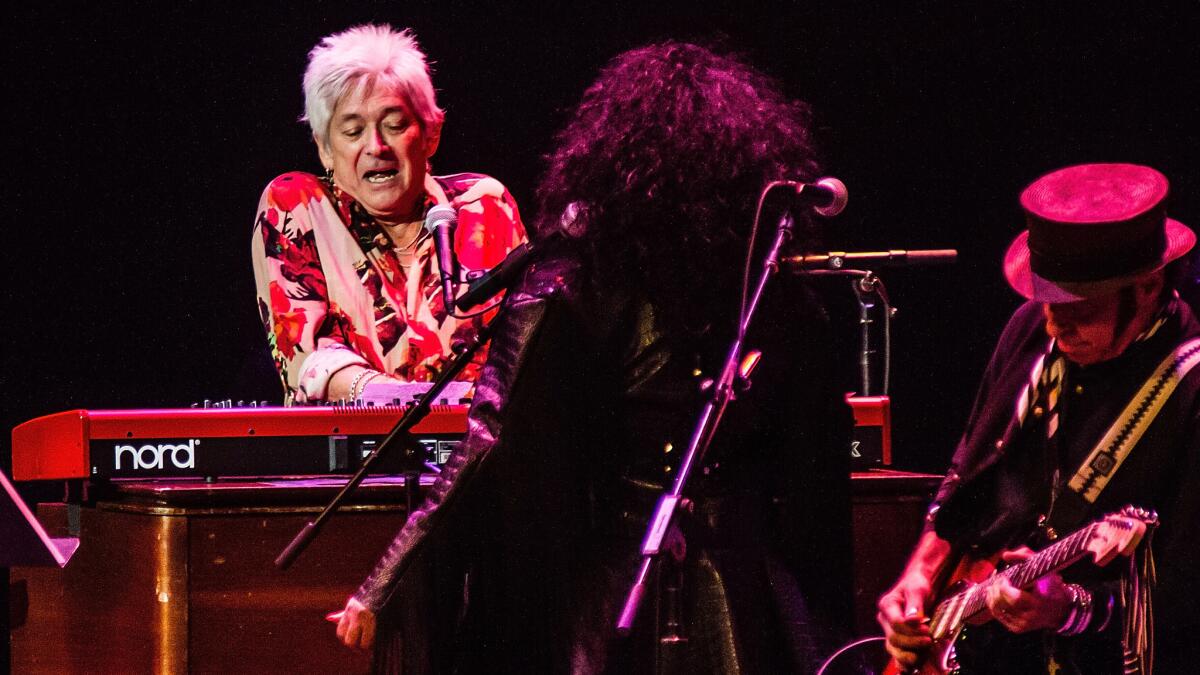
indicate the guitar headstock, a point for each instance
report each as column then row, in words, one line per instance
column 1119, row 533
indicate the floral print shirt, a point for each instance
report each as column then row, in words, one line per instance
column 333, row 293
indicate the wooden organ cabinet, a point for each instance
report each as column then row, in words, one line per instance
column 174, row 572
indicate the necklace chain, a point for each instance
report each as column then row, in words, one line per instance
column 413, row 241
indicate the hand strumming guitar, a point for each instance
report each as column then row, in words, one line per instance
column 902, row 607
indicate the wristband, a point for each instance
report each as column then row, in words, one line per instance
column 1081, row 611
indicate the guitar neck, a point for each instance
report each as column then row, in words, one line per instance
column 1062, row 554
column 963, row 605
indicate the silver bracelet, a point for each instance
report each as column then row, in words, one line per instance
column 354, row 393
column 362, row 388
column 1081, row 611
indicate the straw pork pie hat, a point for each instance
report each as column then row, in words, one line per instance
column 1093, row 228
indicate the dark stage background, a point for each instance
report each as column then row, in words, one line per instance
column 140, row 135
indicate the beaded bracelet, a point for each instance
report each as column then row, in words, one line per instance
column 362, row 388
column 1081, row 611
column 354, row 393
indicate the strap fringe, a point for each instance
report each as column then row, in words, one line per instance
column 1137, row 639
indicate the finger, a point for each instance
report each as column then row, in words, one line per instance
column 368, row 633
column 1003, row 617
column 335, row 617
column 914, row 605
column 1017, row 554
column 1017, row 620
column 891, row 608
column 992, row 597
column 1023, row 602
column 343, row 625
column 996, row 599
column 353, row 634
column 1011, row 595
column 912, row 643
column 907, row 659
column 1008, row 605
column 1003, row 591
column 913, row 626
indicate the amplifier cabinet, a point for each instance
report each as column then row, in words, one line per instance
column 887, row 515
column 871, row 445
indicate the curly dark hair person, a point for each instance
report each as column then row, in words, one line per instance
column 666, row 155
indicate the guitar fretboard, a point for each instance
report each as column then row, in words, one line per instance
column 961, row 606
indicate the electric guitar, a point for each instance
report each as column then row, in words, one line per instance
column 966, row 595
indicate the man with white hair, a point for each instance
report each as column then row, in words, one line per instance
column 346, row 273
column 347, row 276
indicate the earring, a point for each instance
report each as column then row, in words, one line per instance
column 329, row 176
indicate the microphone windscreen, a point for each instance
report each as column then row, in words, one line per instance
column 441, row 214
column 839, row 195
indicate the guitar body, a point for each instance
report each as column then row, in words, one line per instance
column 941, row 658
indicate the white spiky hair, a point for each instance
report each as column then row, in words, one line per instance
column 375, row 55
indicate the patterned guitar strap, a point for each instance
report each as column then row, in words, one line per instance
column 1041, row 399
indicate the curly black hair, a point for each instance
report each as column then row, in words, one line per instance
column 665, row 156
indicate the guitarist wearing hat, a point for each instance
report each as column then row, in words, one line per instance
column 1089, row 403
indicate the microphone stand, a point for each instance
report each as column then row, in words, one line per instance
column 724, row 390
column 398, row 436
column 869, row 289
column 870, row 293
column 866, row 284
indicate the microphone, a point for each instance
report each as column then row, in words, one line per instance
column 440, row 221
column 837, row 260
column 827, row 196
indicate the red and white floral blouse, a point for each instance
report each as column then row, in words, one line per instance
column 333, row 293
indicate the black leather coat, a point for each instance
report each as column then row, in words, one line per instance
column 581, row 411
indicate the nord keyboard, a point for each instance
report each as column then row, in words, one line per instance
column 221, row 442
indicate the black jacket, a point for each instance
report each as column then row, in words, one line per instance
column 580, row 414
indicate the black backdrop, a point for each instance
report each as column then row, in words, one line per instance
column 141, row 133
